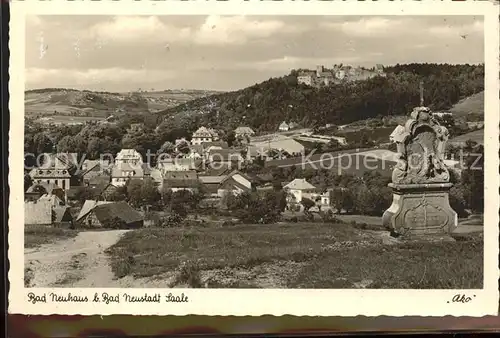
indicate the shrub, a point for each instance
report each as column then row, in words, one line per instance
column 294, row 219
column 173, row 220
column 189, row 273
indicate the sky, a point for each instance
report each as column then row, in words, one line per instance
column 128, row 53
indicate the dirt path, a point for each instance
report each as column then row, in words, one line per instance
column 75, row 262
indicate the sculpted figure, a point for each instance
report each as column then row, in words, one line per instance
column 400, row 170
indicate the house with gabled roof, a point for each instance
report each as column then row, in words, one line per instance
column 181, row 180
column 203, row 135
column 236, row 183
column 243, row 132
column 101, row 214
column 284, row 126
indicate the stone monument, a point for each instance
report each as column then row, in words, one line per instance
column 420, row 179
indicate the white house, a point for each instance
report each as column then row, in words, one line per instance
column 204, row 134
column 122, row 172
column 56, row 170
column 298, row 189
column 129, row 156
column 284, row 126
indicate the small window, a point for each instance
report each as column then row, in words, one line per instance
column 64, row 184
column 57, row 182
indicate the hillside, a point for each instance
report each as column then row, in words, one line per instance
column 473, row 104
column 265, row 105
column 59, row 102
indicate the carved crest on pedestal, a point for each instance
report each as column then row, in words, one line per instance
column 420, row 145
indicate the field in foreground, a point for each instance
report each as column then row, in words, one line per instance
column 35, row 236
column 295, row 256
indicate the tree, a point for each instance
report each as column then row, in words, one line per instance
column 118, row 194
column 307, row 203
column 143, row 192
column 342, row 199
column 183, row 147
column 167, row 148
column 42, row 143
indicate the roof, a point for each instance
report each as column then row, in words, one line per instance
column 180, row 175
column 225, row 155
column 128, row 154
column 300, row 184
column 62, row 214
column 97, row 180
column 60, row 160
column 156, row 175
column 49, row 187
column 204, row 132
column 222, row 144
column 211, row 179
column 244, row 130
column 181, row 183
column 53, row 199
column 88, row 206
column 237, row 172
column 49, row 173
column 283, row 125
column 107, row 212
column 281, row 143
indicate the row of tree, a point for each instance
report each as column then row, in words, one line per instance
column 265, row 105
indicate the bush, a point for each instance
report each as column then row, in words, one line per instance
column 294, row 219
column 189, row 273
column 173, row 220
column 228, row 224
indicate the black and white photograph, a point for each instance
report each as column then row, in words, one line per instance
column 329, row 152
column 254, row 160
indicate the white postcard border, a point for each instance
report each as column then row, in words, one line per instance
column 306, row 302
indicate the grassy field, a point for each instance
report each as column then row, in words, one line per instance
column 314, row 255
column 471, row 104
column 34, row 236
column 476, row 136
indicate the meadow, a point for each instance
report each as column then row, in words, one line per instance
column 299, row 255
column 37, row 235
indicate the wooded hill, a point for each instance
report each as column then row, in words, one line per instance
column 265, row 105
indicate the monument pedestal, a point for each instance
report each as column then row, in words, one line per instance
column 420, row 209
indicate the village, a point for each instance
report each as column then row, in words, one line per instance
column 204, row 164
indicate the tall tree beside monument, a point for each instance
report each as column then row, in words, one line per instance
column 420, row 179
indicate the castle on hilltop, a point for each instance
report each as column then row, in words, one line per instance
column 338, row 74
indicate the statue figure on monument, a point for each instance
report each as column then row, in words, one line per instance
column 420, row 178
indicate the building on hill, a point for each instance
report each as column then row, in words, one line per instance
column 128, row 156
column 181, row 180
column 243, row 132
column 211, row 184
column 306, row 77
column 57, row 168
column 121, row 173
column 178, row 164
column 109, row 215
column 203, row 135
column 236, row 183
column 299, row 189
column 136, row 128
column 284, row 126
column 280, row 143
